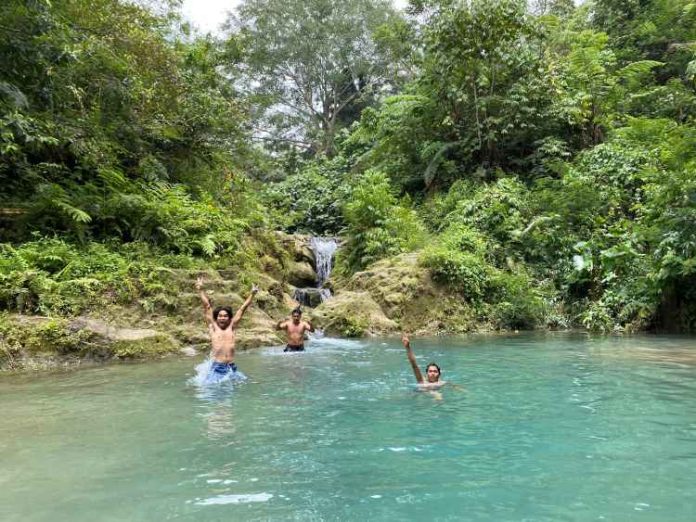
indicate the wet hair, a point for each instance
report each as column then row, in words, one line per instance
column 220, row 309
column 439, row 371
column 297, row 310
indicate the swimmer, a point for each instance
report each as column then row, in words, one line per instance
column 296, row 329
column 222, row 326
column 432, row 371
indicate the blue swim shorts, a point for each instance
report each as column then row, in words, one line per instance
column 223, row 372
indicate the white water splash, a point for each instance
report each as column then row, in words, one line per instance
column 235, row 499
column 203, row 375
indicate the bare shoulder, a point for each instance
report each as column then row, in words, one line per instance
column 431, row 385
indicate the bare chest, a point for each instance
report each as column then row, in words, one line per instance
column 222, row 338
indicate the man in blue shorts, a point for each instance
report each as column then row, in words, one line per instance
column 222, row 326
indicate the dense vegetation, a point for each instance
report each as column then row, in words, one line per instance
column 541, row 158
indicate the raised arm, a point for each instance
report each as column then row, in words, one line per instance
column 238, row 316
column 282, row 325
column 207, row 309
column 309, row 326
column 412, row 359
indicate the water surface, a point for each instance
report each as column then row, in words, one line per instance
column 548, row 427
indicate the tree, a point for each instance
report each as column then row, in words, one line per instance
column 309, row 62
column 101, row 105
column 481, row 101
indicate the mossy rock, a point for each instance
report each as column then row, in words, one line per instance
column 352, row 314
column 301, row 274
column 407, row 294
column 148, row 348
column 32, row 335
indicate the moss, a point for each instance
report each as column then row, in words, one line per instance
column 352, row 314
column 151, row 347
column 39, row 335
column 351, row 326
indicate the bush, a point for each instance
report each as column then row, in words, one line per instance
column 518, row 303
column 463, row 272
column 377, row 226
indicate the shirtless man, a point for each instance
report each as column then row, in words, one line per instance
column 222, row 327
column 432, row 371
column 295, row 328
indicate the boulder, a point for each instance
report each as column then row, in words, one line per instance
column 301, row 274
column 297, row 245
column 257, row 329
column 125, row 343
column 311, row 297
column 352, row 314
column 406, row 294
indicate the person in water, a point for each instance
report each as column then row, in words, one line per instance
column 222, row 326
column 432, row 371
column 295, row 328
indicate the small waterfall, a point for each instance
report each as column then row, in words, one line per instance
column 323, row 249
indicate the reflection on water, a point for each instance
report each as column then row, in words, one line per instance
column 219, row 420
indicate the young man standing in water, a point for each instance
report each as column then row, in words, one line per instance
column 432, row 371
column 295, row 328
column 222, row 326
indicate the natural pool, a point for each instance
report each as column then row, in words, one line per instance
column 549, row 427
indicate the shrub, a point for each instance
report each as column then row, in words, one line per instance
column 465, row 273
column 517, row 301
column 377, row 226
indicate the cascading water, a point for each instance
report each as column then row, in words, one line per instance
column 324, row 249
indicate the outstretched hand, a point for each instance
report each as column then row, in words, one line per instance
column 405, row 340
column 254, row 289
column 199, row 283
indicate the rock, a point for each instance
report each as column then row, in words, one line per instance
column 297, row 245
column 407, row 294
column 311, row 297
column 352, row 314
column 301, row 274
column 110, row 332
column 189, row 351
column 288, row 304
column 306, row 254
column 125, row 342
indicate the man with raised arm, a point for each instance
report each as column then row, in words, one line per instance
column 222, row 326
column 295, row 328
column 432, row 371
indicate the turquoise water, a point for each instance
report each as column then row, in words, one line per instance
column 555, row 427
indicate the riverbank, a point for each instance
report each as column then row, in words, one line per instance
column 99, row 305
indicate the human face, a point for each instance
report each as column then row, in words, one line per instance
column 432, row 373
column 223, row 319
column 296, row 318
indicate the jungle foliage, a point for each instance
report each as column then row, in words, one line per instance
column 540, row 156
column 550, row 152
column 113, row 125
